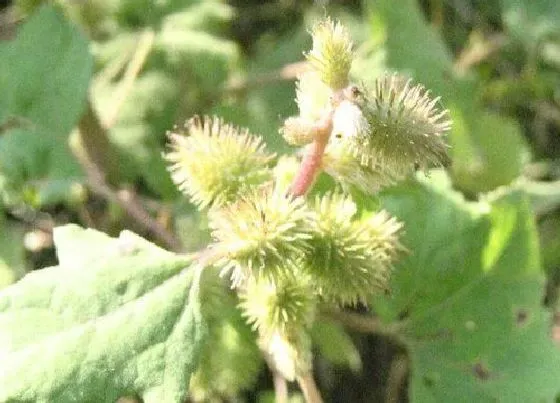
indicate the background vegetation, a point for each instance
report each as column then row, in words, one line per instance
column 89, row 89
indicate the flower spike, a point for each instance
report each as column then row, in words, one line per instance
column 331, row 55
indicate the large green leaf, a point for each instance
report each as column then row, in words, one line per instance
column 45, row 73
column 470, row 294
column 441, row 229
column 116, row 317
column 44, row 76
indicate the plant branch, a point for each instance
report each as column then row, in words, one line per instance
column 280, row 387
column 397, row 377
column 312, row 160
column 477, row 51
column 309, row 388
column 134, row 67
column 289, row 72
column 361, row 323
column 92, row 161
column 311, row 163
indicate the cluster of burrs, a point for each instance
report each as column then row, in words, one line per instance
column 287, row 253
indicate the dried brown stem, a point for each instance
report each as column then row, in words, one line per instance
column 397, row 377
column 288, row 72
column 477, row 52
column 92, row 132
column 362, row 323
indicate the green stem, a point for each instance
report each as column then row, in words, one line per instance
column 309, row 388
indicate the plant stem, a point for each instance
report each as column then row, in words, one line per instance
column 311, row 163
column 309, row 389
column 280, row 387
column 364, row 323
column 397, row 378
column 88, row 151
column 288, row 72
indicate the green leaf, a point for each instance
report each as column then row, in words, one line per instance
column 441, row 229
column 45, row 73
column 37, row 169
column 123, row 318
column 531, row 20
column 336, row 345
column 44, row 78
column 12, row 253
column 470, row 293
column 412, row 45
column 496, row 152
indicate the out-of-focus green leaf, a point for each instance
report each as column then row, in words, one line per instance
column 204, row 15
column 12, row 253
column 230, row 360
column 488, row 150
column 184, row 73
column 37, row 169
column 336, row 345
column 470, row 292
column 268, row 105
column 44, row 77
column 140, row 131
column 545, row 196
column 125, row 320
column 45, row 74
column 531, row 20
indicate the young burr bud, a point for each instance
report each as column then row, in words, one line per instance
column 405, row 128
column 282, row 312
column 351, row 258
column 264, row 233
column 284, row 306
column 213, row 162
column 331, row 55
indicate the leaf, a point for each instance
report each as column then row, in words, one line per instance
column 12, row 253
column 441, row 229
column 36, row 169
column 470, row 293
column 45, row 73
column 531, row 21
column 44, row 78
column 120, row 321
column 230, row 360
column 336, row 345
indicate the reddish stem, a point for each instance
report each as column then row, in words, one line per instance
column 311, row 163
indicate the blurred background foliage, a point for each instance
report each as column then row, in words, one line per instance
column 84, row 110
